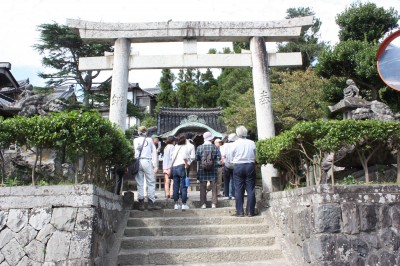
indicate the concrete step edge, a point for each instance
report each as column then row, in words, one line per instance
column 198, row 250
column 194, row 237
column 184, row 221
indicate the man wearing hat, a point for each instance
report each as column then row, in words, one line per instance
column 204, row 175
column 148, row 167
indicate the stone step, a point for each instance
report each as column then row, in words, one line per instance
column 193, row 220
column 193, row 204
column 193, row 212
column 197, row 230
column 197, row 241
column 210, row 255
column 273, row 262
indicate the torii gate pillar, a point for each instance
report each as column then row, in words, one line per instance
column 120, row 82
column 263, row 103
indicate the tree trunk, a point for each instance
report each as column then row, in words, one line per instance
column 3, row 168
column 398, row 167
column 332, row 169
column 34, row 167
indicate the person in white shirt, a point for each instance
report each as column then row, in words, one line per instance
column 244, row 172
column 148, row 168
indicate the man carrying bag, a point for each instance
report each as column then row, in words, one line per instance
column 146, row 153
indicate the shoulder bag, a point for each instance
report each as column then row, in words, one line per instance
column 136, row 162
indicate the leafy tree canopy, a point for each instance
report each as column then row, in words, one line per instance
column 61, row 49
column 361, row 26
column 365, row 21
column 308, row 43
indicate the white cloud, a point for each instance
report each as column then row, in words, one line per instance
column 20, row 19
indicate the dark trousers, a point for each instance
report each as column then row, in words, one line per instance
column 244, row 176
column 203, row 192
column 228, row 182
column 118, row 175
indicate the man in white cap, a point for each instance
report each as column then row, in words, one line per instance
column 145, row 147
column 244, row 172
column 208, row 174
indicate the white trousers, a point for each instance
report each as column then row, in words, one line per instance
column 146, row 172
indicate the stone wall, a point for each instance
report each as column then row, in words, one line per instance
column 339, row 225
column 57, row 225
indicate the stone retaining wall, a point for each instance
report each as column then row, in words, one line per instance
column 339, row 225
column 57, row 225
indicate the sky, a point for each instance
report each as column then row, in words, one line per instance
column 20, row 19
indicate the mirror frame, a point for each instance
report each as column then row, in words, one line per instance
column 381, row 50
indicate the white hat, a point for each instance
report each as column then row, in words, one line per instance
column 208, row 136
column 217, row 140
column 232, row 137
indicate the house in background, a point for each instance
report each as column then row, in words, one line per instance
column 9, row 89
column 145, row 98
column 18, row 96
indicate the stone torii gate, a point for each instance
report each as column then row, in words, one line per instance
column 191, row 32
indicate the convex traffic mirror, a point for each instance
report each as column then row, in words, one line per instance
column 388, row 60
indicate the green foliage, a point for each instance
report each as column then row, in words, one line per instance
column 303, row 103
column 166, row 97
column 61, row 49
column 239, row 111
column 365, row 21
column 134, row 110
column 308, row 43
column 42, row 183
column 232, row 83
column 239, row 46
column 187, row 92
column 149, row 121
column 350, row 180
column 74, row 134
column 130, row 132
column 293, row 148
column 12, row 182
column 362, row 26
column 298, row 97
column 193, row 89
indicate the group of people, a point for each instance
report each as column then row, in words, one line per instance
column 234, row 156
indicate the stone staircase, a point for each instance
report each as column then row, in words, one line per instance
column 199, row 237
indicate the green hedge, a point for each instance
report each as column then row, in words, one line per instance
column 75, row 135
column 308, row 142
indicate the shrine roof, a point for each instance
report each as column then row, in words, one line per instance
column 171, row 121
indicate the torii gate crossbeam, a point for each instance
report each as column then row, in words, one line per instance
column 191, row 32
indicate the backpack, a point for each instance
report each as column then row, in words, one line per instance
column 207, row 160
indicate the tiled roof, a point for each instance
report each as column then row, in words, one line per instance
column 62, row 92
column 153, row 91
column 192, row 118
